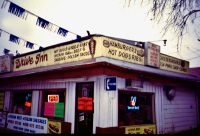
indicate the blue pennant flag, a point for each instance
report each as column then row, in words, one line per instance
column 78, row 38
column 29, row 45
column 16, row 10
column 42, row 22
column 62, row 31
column 6, row 51
column 14, row 39
column 40, row 48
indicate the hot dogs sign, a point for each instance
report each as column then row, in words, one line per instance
column 101, row 46
column 86, row 49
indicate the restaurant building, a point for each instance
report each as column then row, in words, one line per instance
column 98, row 85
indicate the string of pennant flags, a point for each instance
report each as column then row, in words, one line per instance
column 17, row 40
column 23, row 13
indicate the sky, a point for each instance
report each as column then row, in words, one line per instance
column 105, row 17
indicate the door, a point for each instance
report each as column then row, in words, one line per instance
column 84, row 108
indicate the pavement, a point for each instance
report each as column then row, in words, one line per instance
column 6, row 130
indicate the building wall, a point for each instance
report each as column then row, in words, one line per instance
column 175, row 115
column 158, row 96
column 181, row 112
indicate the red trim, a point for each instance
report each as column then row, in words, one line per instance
column 94, row 69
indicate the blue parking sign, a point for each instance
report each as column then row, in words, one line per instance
column 111, row 84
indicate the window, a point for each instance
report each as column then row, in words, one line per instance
column 53, row 106
column 134, row 108
column 22, row 102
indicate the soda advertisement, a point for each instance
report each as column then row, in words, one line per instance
column 142, row 129
column 54, row 127
column 27, row 124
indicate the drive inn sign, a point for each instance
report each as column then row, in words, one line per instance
column 111, row 84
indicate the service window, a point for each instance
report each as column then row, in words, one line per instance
column 22, row 102
column 53, row 104
column 135, row 108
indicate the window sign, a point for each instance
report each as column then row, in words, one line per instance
column 53, row 98
column 132, row 104
column 54, row 109
column 85, row 103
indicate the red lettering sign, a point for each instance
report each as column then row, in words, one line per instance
column 85, row 103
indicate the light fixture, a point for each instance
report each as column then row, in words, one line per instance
column 88, row 32
column 165, row 41
column 170, row 92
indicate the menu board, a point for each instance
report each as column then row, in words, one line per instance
column 54, row 109
column 27, row 124
column 1, row 100
column 141, row 129
column 85, row 103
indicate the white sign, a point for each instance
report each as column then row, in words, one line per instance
column 6, row 63
column 27, row 124
column 152, row 52
column 2, row 119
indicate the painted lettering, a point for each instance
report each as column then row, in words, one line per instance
column 41, row 58
column 23, row 62
column 112, row 52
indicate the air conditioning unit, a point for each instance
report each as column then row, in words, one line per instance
column 134, row 84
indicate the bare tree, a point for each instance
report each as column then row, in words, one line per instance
column 177, row 15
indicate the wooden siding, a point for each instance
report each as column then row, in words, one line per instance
column 70, row 104
column 181, row 112
column 157, row 112
column 106, row 104
column 35, row 86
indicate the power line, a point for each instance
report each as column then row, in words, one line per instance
column 193, row 52
column 193, row 58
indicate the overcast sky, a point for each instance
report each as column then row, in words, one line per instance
column 106, row 17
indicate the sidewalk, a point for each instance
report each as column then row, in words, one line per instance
column 5, row 130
